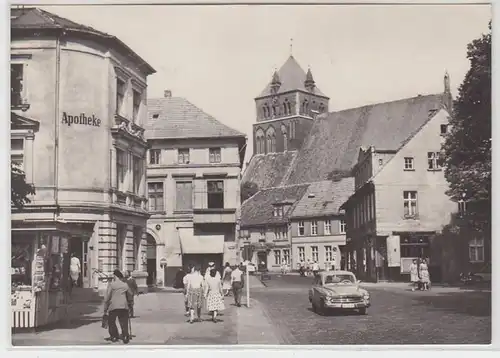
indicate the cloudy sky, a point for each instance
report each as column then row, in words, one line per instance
column 221, row 57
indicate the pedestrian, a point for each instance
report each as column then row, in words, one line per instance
column 184, row 286
column 195, row 284
column 226, row 276
column 424, row 275
column 132, row 284
column 211, row 266
column 213, row 295
column 116, row 302
column 315, row 268
column 237, row 282
column 414, row 275
column 74, row 269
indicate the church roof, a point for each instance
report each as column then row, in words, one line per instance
column 335, row 138
column 292, row 77
column 268, row 170
column 177, row 118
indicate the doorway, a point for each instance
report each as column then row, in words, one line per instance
column 79, row 246
column 262, row 260
column 151, row 260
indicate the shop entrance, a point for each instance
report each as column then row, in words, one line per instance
column 80, row 247
column 151, row 260
column 202, row 260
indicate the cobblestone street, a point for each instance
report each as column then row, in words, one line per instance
column 397, row 316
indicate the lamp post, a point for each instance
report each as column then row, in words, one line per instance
column 245, row 235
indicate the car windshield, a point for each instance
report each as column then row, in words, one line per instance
column 340, row 279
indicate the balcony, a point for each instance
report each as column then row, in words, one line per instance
column 123, row 126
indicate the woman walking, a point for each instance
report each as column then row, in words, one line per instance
column 424, row 275
column 74, row 269
column 195, row 294
column 213, row 295
column 414, row 275
column 226, row 285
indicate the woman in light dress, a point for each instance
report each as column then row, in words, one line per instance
column 213, row 294
column 74, row 269
column 194, row 293
column 226, row 277
column 414, row 275
column 424, row 275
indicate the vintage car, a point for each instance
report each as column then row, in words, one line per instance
column 338, row 290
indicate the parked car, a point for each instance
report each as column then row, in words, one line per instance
column 338, row 290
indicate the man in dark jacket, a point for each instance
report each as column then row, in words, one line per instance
column 117, row 302
column 132, row 284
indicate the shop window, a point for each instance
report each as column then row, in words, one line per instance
column 215, row 194
column 155, row 197
column 302, row 253
column 121, row 168
column 137, row 99
column 315, row 253
column 121, row 88
column 183, row 156
column 184, row 196
column 21, row 258
column 410, row 204
column 301, row 228
column 277, row 257
column 476, row 250
column 154, row 156
column 214, row 155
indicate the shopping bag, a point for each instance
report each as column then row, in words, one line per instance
column 104, row 323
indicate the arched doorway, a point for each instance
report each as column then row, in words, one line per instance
column 151, row 259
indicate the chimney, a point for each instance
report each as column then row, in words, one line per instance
column 167, row 93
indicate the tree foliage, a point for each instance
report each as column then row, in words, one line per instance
column 248, row 189
column 19, row 189
column 467, row 148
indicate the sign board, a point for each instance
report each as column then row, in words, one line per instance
column 393, row 251
column 163, row 261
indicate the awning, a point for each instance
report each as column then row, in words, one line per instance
column 201, row 244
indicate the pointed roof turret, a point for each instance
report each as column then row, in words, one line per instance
column 309, row 82
column 276, row 82
column 292, row 77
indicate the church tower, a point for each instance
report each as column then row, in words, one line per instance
column 286, row 109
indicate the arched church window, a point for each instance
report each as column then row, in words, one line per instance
column 275, row 111
column 259, row 139
column 273, row 143
column 268, row 148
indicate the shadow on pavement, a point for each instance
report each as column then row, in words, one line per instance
column 470, row 303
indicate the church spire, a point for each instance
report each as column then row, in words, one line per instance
column 309, row 82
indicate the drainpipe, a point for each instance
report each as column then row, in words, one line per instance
column 56, row 122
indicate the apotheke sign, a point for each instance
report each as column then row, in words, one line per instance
column 81, row 119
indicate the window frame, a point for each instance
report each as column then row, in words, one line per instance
column 136, row 104
column 315, row 253
column 184, row 208
column 286, row 256
column 137, row 173
column 213, row 157
column 445, row 126
column 343, row 226
column 157, row 194
column 120, row 97
column 183, row 156
column 301, row 253
column 314, row 227
column 433, row 161
column 327, row 227
column 218, row 192
column 301, row 225
column 121, row 169
column 277, row 257
column 23, row 93
column 409, row 163
column 328, row 253
column 155, row 154
column 478, row 248
column 407, row 201
column 16, row 154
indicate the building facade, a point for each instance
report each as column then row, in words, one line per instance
column 400, row 205
column 78, row 136
column 193, row 179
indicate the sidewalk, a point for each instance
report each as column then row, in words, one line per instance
column 160, row 320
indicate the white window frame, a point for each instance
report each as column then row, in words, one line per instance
column 301, row 227
column 24, row 92
column 408, row 199
column 157, row 193
column 277, row 233
column 328, row 253
column 314, row 228
column 433, row 159
column 182, row 158
column 315, row 253
column 476, row 250
column 343, row 226
column 409, row 163
column 214, row 157
column 277, row 257
column 286, row 256
column 301, row 253
column 328, row 227
column 121, row 169
column 462, row 207
column 156, row 155
column 16, row 154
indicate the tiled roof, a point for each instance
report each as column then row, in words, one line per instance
column 334, row 139
column 268, row 170
column 177, row 118
column 324, row 198
column 292, row 77
column 258, row 209
column 35, row 18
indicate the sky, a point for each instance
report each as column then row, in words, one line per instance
column 221, row 57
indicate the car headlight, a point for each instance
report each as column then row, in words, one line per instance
column 366, row 297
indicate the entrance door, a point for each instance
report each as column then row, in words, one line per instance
column 262, row 260
column 151, row 260
column 85, row 274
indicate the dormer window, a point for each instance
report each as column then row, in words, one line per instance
column 278, row 211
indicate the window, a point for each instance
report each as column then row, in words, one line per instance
column 280, row 233
column 314, row 250
column 286, row 257
column 444, row 129
column 184, row 196
column 301, row 228
column 155, row 197
column 278, row 211
column 343, row 226
column 17, row 152
column 215, row 194
column 328, row 227
column 137, row 98
column 120, row 94
column 121, row 232
column 410, row 203
column 302, row 254
column 476, row 250
column 135, row 247
column 262, row 236
column 121, row 168
column 154, row 156
column 433, row 160
column 380, row 161
column 17, row 84
column 462, row 207
column 328, row 254
column 409, row 163
column 214, row 155
column 314, row 228
column 277, row 257
column 183, row 156
column 137, row 174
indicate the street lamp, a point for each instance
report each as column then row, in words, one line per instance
column 245, row 235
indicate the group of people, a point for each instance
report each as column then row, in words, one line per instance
column 210, row 289
column 419, row 275
column 309, row 269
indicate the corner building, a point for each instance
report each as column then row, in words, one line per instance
column 78, row 102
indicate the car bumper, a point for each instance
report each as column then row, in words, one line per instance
column 346, row 305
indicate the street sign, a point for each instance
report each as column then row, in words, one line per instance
column 163, row 261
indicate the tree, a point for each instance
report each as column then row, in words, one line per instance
column 19, row 189
column 248, row 189
column 467, row 148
